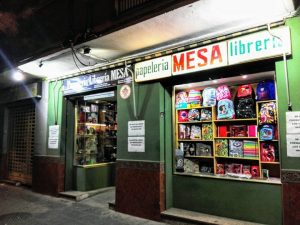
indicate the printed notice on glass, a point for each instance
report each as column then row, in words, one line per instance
column 136, row 144
column 293, row 145
column 136, row 128
column 53, row 137
column 293, row 122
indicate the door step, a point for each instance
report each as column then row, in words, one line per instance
column 180, row 217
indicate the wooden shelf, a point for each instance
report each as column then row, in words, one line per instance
column 201, row 107
column 201, row 121
column 197, row 140
column 240, row 158
column 275, row 163
column 235, row 120
column 268, row 140
column 92, row 124
column 255, row 138
column 265, row 101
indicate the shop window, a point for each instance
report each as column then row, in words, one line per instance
column 228, row 129
column 95, row 132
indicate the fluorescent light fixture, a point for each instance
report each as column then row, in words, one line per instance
column 244, row 76
column 18, row 75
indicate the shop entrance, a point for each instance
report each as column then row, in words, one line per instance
column 21, row 143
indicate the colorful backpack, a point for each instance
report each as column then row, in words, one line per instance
column 266, row 133
column 236, row 148
column 183, row 116
column 195, row 98
column 267, row 152
column 265, row 90
column 225, row 109
column 181, row 100
column 194, row 115
column 223, row 92
column 245, row 91
column 245, row 108
column 209, row 96
column 205, row 114
column 267, row 113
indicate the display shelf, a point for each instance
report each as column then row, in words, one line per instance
column 194, row 140
column 268, row 140
column 265, row 101
column 240, row 138
column 196, row 107
column 234, row 120
column 191, row 122
column 275, row 163
column 239, row 158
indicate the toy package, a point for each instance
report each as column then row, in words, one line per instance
column 225, row 109
column 205, row 114
column 183, row 116
column 233, row 168
column 267, row 113
column 265, row 90
column 194, row 98
column 255, row 171
column 209, row 96
column 194, row 115
column 220, row 168
column 207, row 132
column 203, row 149
column 195, row 132
column 266, row 132
column 181, row 100
column 267, row 152
column 223, row 92
column 238, row 131
column 184, row 131
column 235, row 148
column 221, row 147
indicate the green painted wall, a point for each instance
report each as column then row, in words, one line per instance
column 95, row 177
column 294, row 81
column 149, row 105
column 55, row 103
column 241, row 200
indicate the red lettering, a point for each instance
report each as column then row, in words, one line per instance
column 216, row 54
column 202, row 57
column 178, row 65
column 189, row 59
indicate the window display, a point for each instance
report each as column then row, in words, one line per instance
column 95, row 132
column 227, row 129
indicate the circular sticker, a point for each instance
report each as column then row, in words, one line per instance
column 125, row 91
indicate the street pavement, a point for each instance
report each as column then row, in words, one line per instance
column 21, row 206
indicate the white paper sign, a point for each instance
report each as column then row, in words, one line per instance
column 136, row 144
column 136, row 128
column 54, row 131
column 53, row 137
column 293, row 145
column 293, row 122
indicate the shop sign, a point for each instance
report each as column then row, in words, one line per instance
column 100, row 80
column 203, row 58
column 259, row 46
column 136, row 144
column 153, row 69
column 125, row 91
column 136, row 128
column 108, row 94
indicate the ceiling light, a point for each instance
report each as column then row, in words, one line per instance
column 244, row 76
column 18, row 75
column 215, row 81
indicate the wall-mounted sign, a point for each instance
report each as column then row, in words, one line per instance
column 293, row 122
column 125, row 91
column 53, row 139
column 293, row 145
column 108, row 94
column 259, row 46
column 136, row 128
column 153, row 69
column 203, row 58
column 136, row 144
column 100, row 80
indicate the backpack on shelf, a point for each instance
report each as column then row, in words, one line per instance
column 223, row 92
column 265, row 90
column 225, row 109
column 267, row 132
column 267, row 152
column 195, row 98
column 209, row 96
column 245, row 103
column 267, row 113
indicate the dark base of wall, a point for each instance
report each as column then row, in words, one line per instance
column 291, row 197
column 48, row 175
column 3, row 166
column 140, row 189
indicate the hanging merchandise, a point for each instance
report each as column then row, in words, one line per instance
column 223, row 92
column 267, row 113
column 225, row 109
column 209, row 96
column 265, row 90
